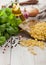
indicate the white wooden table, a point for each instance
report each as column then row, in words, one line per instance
column 20, row 55
column 5, row 56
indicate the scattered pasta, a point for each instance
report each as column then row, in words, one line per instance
column 30, row 43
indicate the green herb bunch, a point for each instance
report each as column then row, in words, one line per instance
column 8, row 24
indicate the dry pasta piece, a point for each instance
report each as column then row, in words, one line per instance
column 31, row 49
column 33, row 52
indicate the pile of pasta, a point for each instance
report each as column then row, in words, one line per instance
column 38, row 31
